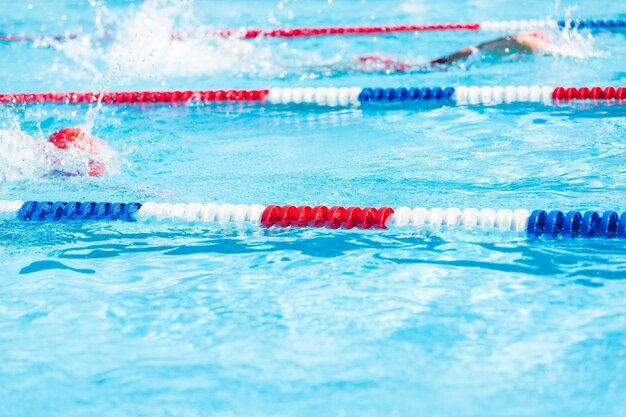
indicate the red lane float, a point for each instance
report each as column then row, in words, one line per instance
column 322, row 216
column 586, row 93
column 124, row 97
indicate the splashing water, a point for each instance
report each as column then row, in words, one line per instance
column 569, row 43
column 572, row 44
column 145, row 45
column 21, row 155
column 26, row 157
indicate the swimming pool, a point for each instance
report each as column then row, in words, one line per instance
column 120, row 318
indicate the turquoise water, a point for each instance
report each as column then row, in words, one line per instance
column 154, row 320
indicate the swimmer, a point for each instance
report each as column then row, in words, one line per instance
column 508, row 46
column 72, row 148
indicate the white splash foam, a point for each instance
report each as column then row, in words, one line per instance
column 20, row 156
column 26, row 157
column 573, row 44
column 142, row 46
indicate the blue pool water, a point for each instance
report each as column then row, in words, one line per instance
column 123, row 319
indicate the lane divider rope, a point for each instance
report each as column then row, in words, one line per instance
column 338, row 96
column 535, row 224
column 488, row 26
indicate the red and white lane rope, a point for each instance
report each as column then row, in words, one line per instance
column 487, row 26
column 340, row 96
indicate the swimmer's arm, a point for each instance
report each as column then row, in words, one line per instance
column 520, row 43
column 452, row 58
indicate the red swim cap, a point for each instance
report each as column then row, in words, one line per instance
column 75, row 138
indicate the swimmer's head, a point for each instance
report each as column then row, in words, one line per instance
column 73, row 138
column 534, row 41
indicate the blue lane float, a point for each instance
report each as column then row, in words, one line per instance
column 574, row 224
column 592, row 24
column 369, row 94
column 73, row 210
